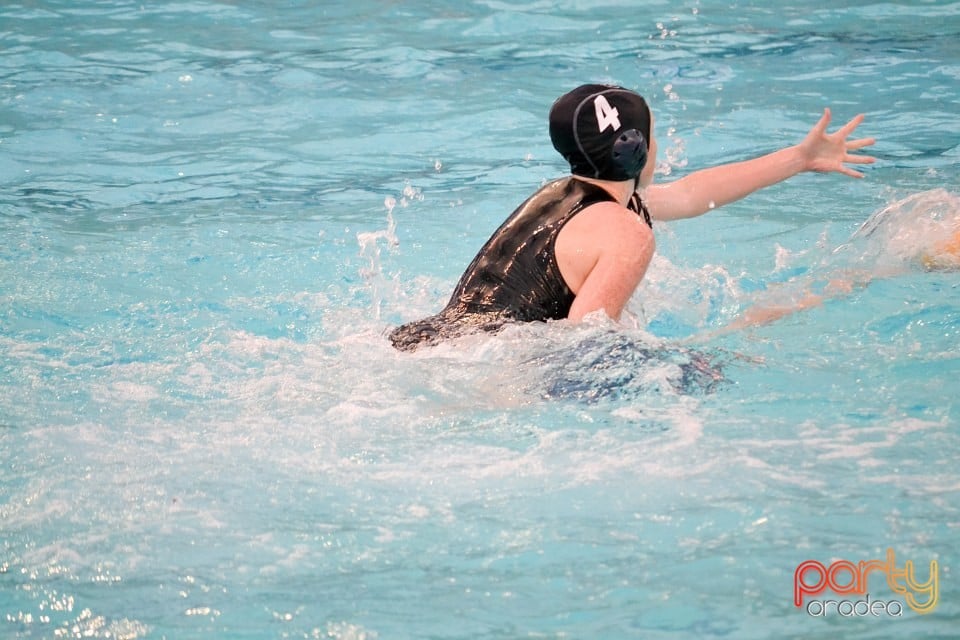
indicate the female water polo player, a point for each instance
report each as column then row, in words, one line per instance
column 583, row 243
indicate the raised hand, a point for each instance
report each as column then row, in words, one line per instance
column 826, row 152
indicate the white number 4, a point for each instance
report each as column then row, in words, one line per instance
column 607, row 116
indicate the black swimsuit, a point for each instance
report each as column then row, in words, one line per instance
column 515, row 276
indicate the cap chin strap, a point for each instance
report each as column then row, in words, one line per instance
column 636, row 204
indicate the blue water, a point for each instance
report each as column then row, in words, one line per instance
column 211, row 214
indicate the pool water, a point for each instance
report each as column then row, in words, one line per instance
column 213, row 213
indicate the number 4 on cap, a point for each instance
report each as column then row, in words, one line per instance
column 607, row 116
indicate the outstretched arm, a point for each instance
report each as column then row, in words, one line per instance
column 765, row 313
column 776, row 304
column 707, row 189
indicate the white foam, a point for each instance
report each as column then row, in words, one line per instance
column 344, row 631
column 906, row 230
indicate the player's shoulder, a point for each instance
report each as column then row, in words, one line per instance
column 614, row 220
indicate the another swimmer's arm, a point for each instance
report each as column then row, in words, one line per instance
column 841, row 284
column 701, row 191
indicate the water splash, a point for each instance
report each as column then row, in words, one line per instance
column 370, row 243
column 921, row 230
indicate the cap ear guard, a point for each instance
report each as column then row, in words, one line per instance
column 629, row 153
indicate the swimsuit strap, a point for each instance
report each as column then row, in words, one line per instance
column 636, row 205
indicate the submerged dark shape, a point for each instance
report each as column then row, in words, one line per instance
column 617, row 365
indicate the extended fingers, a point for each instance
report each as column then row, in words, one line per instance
column 859, row 159
column 850, row 158
column 848, row 128
column 821, row 126
column 860, row 144
column 853, row 145
column 833, row 151
column 847, row 171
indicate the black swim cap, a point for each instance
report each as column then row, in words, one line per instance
column 602, row 131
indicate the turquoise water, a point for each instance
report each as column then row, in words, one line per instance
column 211, row 214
